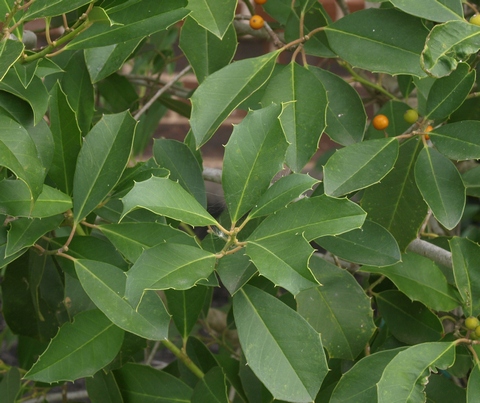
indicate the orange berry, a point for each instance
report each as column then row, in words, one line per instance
column 260, row 1
column 256, row 22
column 429, row 128
column 380, row 122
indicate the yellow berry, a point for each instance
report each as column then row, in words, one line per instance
column 256, row 22
column 475, row 20
column 380, row 122
column 472, row 323
column 411, row 116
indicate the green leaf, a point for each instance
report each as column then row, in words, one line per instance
column 143, row 384
column 447, row 94
column 10, row 52
column 102, row 388
column 314, row 217
column 465, row 258
column 183, row 166
column 473, row 384
column 421, row 280
column 253, row 155
column 303, row 117
column 213, row 16
column 328, row 309
column 165, row 197
column 106, row 60
column 51, row 8
column 15, row 200
column 433, row 10
column 235, row 270
column 404, row 378
column 471, row 179
column 98, row 14
column 380, row 45
column 101, row 161
column 211, row 388
column 142, row 171
column 67, row 137
column 165, row 266
column 289, row 360
column 131, row 239
column 346, row 117
column 410, row 322
column 133, row 20
column 25, row 232
column 394, row 111
column 105, row 285
column 372, row 244
column 284, row 261
column 441, row 186
column 358, row 384
column 10, row 385
column 205, row 51
column 250, row 74
column 458, row 141
column 91, row 338
column 282, row 192
column 447, row 44
column 359, row 165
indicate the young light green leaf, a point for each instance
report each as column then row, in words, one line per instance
column 441, row 186
column 346, row 117
column 213, row 16
column 345, row 332
column 101, row 161
column 284, row 261
column 282, row 192
column 165, row 197
column 458, row 140
column 165, row 266
column 359, row 165
column 10, row 52
column 90, row 338
column 249, row 75
column 372, row 244
column 211, row 388
column 289, row 360
column 421, row 280
column 67, row 137
column 253, row 155
column 447, row 44
column 433, row 10
column 465, row 258
column 303, row 117
column 314, row 217
column 105, row 285
column 405, row 377
column 369, row 47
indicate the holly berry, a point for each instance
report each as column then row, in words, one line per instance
column 380, row 122
column 411, row 116
column 260, row 1
column 475, row 20
column 428, row 129
column 472, row 323
column 256, row 22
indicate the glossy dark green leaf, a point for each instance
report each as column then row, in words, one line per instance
column 404, row 378
column 131, row 238
column 447, row 44
column 422, row 280
column 140, row 172
column 441, row 186
column 303, row 117
column 51, row 8
column 394, row 111
column 359, row 165
column 105, row 285
column 328, row 308
column 250, row 74
column 165, row 197
column 433, row 10
column 103, row 388
column 91, row 337
column 458, row 141
column 471, row 180
column 183, row 166
column 441, row 389
column 212, row 16
column 165, row 266
column 235, row 270
column 282, row 192
column 132, row 22
column 253, row 155
column 211, row 388
column 346, row 118
column 473, row 384
column 448, row 93
column 205, row 51
column 372, row 244
column 373, row 47
column 314, row 217
column 10, row 52
column 143, row 384
column 67, row 137
column 119, row 94
column 101, row 161
column 10, row 385
column 465, row 257
column 411, row 322
column 294, row 352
